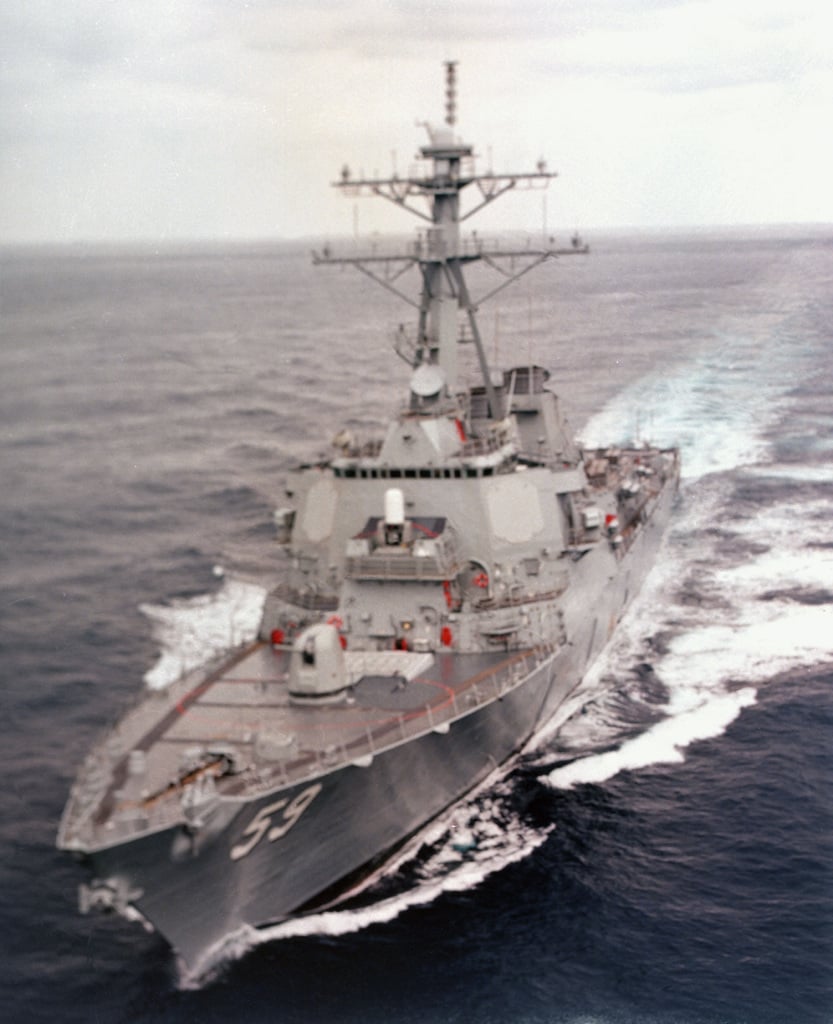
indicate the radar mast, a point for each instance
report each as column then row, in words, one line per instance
column 446, row 168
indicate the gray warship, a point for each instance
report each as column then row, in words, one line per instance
column 443, row 589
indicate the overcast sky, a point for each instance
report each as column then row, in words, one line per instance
column 168, row 119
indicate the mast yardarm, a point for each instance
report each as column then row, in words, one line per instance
column 445, row 169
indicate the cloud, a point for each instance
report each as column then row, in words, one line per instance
column 178, row 117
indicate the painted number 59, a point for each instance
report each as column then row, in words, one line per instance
column 263, row 823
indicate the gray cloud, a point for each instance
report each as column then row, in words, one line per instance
column 183, row 117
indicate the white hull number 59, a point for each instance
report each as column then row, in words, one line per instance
column 262, row 823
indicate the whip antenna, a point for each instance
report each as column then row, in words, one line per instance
column 450, row 92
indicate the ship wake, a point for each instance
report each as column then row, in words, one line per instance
column 741, row 593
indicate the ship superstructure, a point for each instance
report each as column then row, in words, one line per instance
column 445, row 587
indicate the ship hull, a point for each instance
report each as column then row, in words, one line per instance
column 198, row 886
column 196, row 896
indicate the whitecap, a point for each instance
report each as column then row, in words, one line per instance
column 663, row 743
column 191, row 631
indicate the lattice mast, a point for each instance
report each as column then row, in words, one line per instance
column 447, row 166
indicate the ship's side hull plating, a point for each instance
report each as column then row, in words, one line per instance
column 257, row 862
column 197, row 894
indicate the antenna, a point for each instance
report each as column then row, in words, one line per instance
column 450, row 92
column 441, row 256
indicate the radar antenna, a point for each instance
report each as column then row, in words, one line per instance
column 446, row 169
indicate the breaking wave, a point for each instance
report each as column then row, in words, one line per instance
column 193, row 630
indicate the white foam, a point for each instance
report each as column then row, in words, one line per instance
column 785, row 637
column 473, row 840
column 743, row 631
column 193, row 630
column 816, row 474
column 751, row 632
column 567, row 712
column 796, row 532
column 714, row 408
column 781, row 567
column 662, row 743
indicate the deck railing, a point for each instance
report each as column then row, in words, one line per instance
column 320, row 756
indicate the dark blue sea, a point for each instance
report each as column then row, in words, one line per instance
column 662, row 854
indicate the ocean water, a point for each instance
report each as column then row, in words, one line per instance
column 661, row 853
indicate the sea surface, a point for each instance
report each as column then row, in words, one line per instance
column 661, row 854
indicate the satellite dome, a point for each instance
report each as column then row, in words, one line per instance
column 427, row 380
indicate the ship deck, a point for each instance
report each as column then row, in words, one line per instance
column 234, row 731
column 391, row 694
